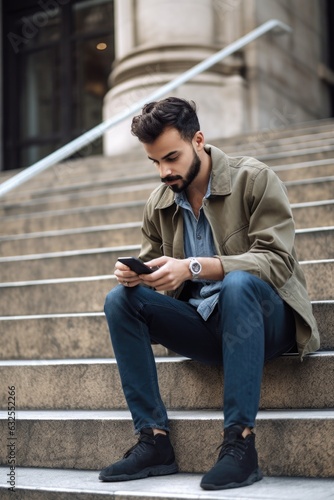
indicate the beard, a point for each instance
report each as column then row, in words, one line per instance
column 192, row 173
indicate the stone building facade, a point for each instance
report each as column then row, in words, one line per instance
column 275, row 81
column 67, row 64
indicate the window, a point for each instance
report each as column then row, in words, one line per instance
column 57, row 61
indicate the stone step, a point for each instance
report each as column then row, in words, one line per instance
column 94, row 384
column 79, row 263
column 319, row 276
column 254, row 145
column 321, row 188
column 314, row 243
column 286, row 146
column 49, row 484
column 79, row 194
column 101, row 261
column 287, row 133
column 71, row 218
column 313, row 213
column 67, row 295
column 299, row 155
column 297, row 134
column 311, row 243
column 302, row 440
column 83, row 198
column 58, row 336
column 91, row 168
column 143, row 175
column 309, row 214
column 71, row 239
column 305, row 170
column 86, row 335
column 64, row 179
column 87, row 294
column 149, row 175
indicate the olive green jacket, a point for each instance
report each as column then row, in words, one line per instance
column 253, row 230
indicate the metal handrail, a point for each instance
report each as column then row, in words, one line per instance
column 99, row 130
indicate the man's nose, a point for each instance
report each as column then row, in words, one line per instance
column 165, row 170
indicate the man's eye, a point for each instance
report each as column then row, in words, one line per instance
column 170, row 160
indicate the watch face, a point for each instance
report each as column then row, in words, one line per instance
column 196, row 267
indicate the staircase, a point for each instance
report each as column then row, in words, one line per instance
column 60, row 235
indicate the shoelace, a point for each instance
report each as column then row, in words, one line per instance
column 138, row 447
column 235, row 448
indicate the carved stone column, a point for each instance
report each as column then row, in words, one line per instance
column 158, row 40
column 272, row 83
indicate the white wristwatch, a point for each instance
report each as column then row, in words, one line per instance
column 195, row 268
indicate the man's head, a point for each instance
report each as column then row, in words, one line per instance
column 169, row 131
column 171, row 112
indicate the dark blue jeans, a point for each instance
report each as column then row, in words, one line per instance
column 250, row 324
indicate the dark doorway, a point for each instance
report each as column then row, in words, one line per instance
column 330, row 31
column 57, row 59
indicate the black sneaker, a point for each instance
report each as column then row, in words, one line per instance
column 237, row 463
column 151, row 456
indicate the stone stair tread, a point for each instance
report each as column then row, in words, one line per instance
column 110, row 182
column 76, row 188
column 100, row 261
column 55, row 439
column 88, row 197
column 72, row 295
column 318, row 213
column 101, row 179
column 269, row 149
column 129, row 234
column 298, row 188
column 85, row 383
column 257, row 141
column 63, row 335
column 297, row 129
column 81, row 483
column 105, row 179
column 203, row 414
column 290, row 156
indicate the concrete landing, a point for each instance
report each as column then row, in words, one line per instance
column 34, row 483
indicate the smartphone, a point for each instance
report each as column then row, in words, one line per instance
column 137, row 265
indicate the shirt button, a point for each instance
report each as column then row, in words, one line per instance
column 199, row 237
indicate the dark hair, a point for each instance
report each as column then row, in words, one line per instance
column 170, row 112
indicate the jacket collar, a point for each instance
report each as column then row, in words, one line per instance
column 220, row 178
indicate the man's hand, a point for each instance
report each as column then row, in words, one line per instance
column 170, row 275
column 125, row 276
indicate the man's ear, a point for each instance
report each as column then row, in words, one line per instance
column 199, row 140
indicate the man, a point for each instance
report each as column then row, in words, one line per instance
column 221, row 232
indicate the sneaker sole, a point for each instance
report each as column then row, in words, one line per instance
column 157, row 470
column 255, row 476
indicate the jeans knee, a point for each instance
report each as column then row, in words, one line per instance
column 114, row 298
column 237, row 282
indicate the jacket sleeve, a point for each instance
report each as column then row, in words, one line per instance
column 151, row 243
column 271, row 232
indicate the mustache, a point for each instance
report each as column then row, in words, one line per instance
column 171, row 178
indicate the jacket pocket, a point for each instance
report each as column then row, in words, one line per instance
column 237, row 242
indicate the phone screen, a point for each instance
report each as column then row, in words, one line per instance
column 136, row 265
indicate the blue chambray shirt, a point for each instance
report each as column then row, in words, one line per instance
column 198, row 242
